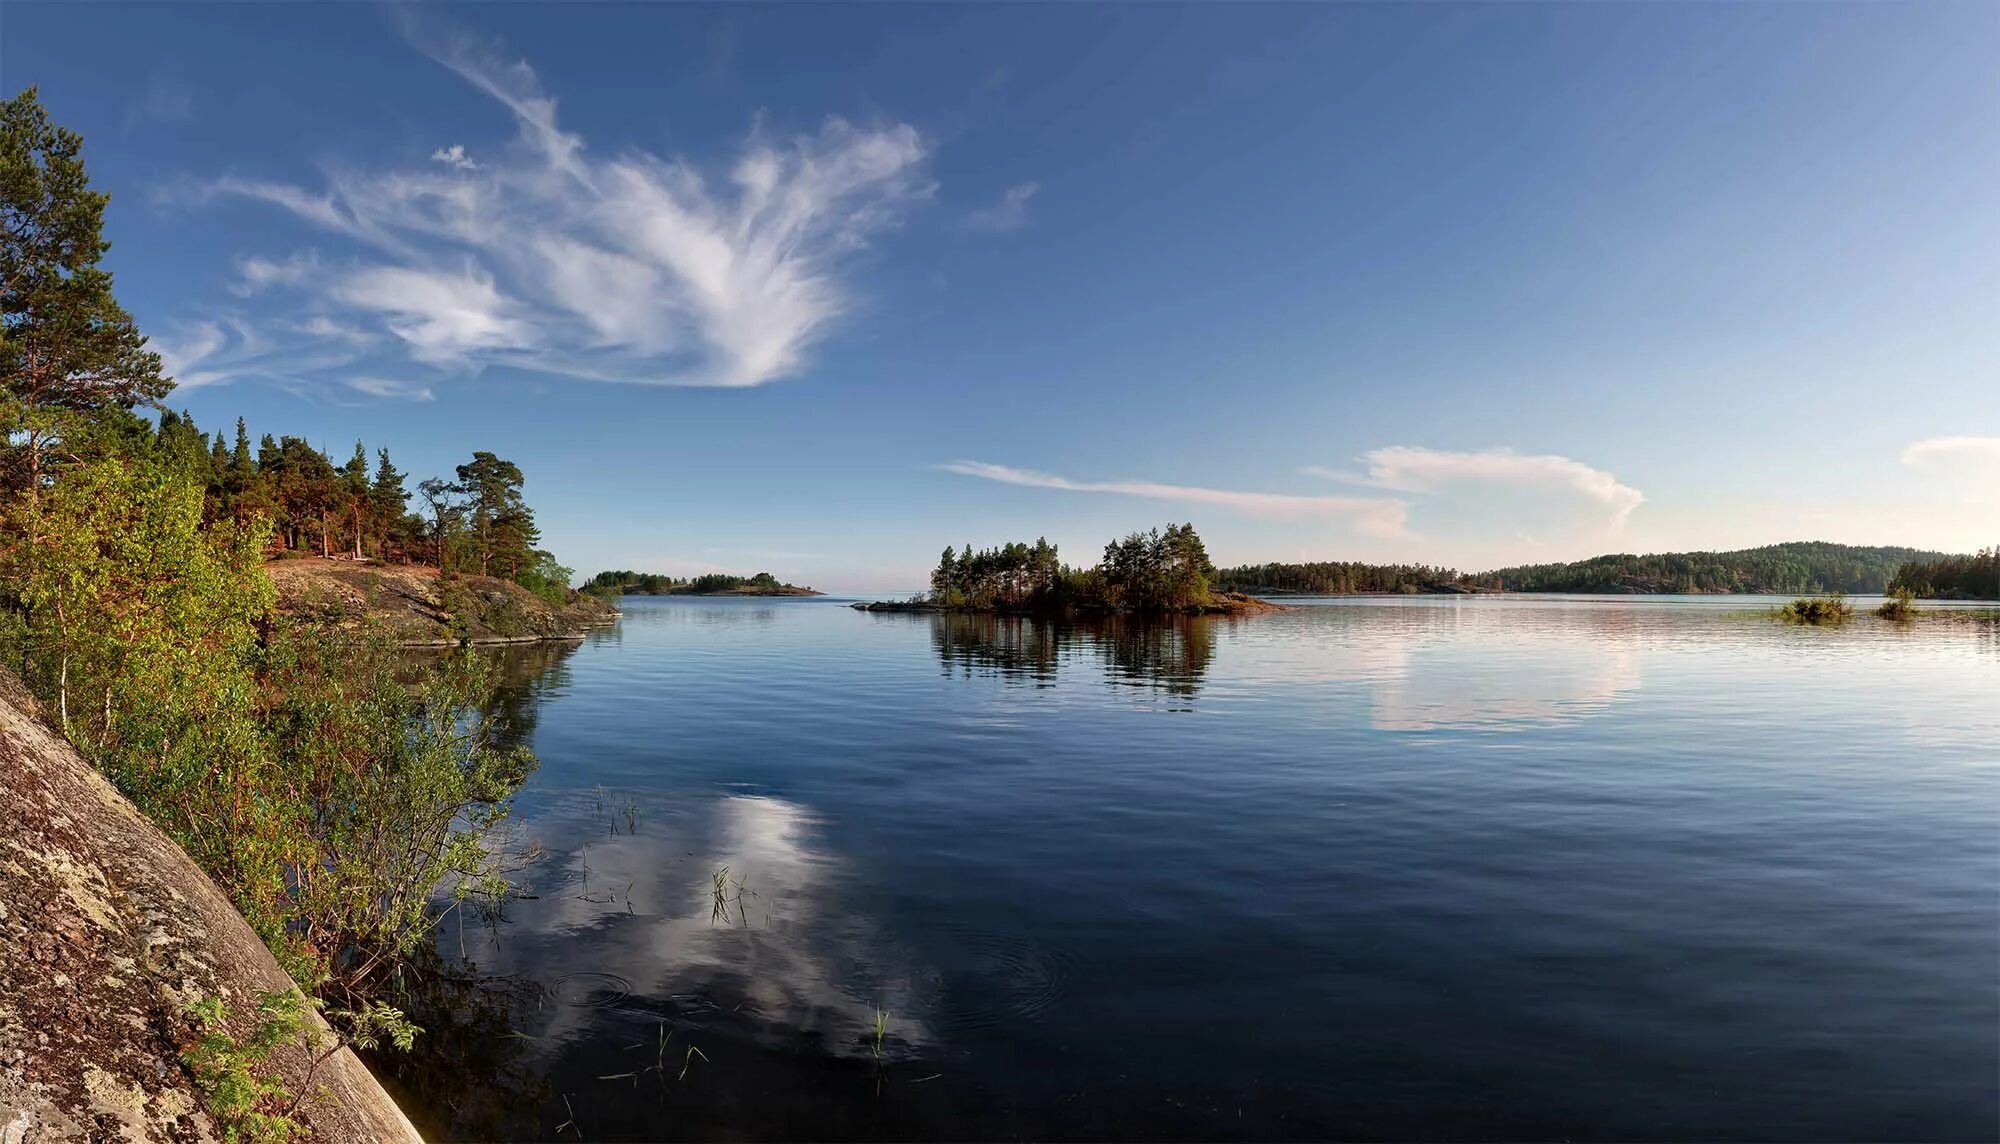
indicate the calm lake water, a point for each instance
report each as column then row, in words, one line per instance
column 1414, row 868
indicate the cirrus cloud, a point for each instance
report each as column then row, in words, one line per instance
column 1412, row 469
column 1010, row 213
column 629, row 267
column 1376, row 516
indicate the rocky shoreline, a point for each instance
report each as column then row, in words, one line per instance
column 110, row 935
column 419, row 608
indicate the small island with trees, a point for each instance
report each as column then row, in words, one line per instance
column 624, row 583
column 1160, row 572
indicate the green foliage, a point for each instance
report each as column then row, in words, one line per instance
column 1156, row 571
column 546, row 578
column 68, row 351
column 399, row 785
column 502, row 529
column 1974, row 577
column 327, row 789
column 1901, row 605
column 1011, row 577
column 1832, row 609
column 247, row 1103
column 375, row 1024
column 344, row 800
column 124, row 592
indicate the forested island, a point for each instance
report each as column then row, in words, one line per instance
column 625, row 583
column 1158, row 572
column 1774, row 569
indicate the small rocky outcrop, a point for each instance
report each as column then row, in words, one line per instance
column 109, row 933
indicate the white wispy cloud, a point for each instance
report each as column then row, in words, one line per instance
column 389, row 387
column 319, row 326
column 1010, row 213
column 184, row 351
column 229, row 346
column 256, row 273
column 631, row 267
column 454, row 156
column 1377, row 516
column 1934, row 450
column 444, row 317
column 1411, row 469
column 1971, row 465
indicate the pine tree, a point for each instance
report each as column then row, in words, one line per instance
column 388, row 504
column 68, row 350
column 354, row 487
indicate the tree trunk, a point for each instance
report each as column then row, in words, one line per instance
column 34, row 468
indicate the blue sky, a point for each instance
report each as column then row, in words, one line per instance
column 821, row 289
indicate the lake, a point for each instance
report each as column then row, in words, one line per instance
column 1499, row 867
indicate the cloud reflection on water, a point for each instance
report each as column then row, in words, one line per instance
column 792, row 953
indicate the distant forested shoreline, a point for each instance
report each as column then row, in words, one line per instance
column 1799, row 566
column 1774, row 569
column 627, row 583
column 1974, row 577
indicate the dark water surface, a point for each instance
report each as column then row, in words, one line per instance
column 1493, row 868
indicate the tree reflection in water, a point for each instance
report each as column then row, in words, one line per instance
column 1169, row 655
column 467, row 1076
column 468, row 1064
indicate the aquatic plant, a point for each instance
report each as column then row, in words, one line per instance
column 720, row 897
column 1899, row 606
column 1831, row 609
column 719, row 891
column 881, row 1030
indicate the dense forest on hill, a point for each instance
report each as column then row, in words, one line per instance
column 627, row 583
column 1800, row 566
column 1338, row 578
column 1974, row 577
column 1803, row 566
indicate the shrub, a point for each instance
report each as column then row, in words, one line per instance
column 1832, row 609
column 1898, row 606
column 327, row 787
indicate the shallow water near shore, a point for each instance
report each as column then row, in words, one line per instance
column 1501, row 867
